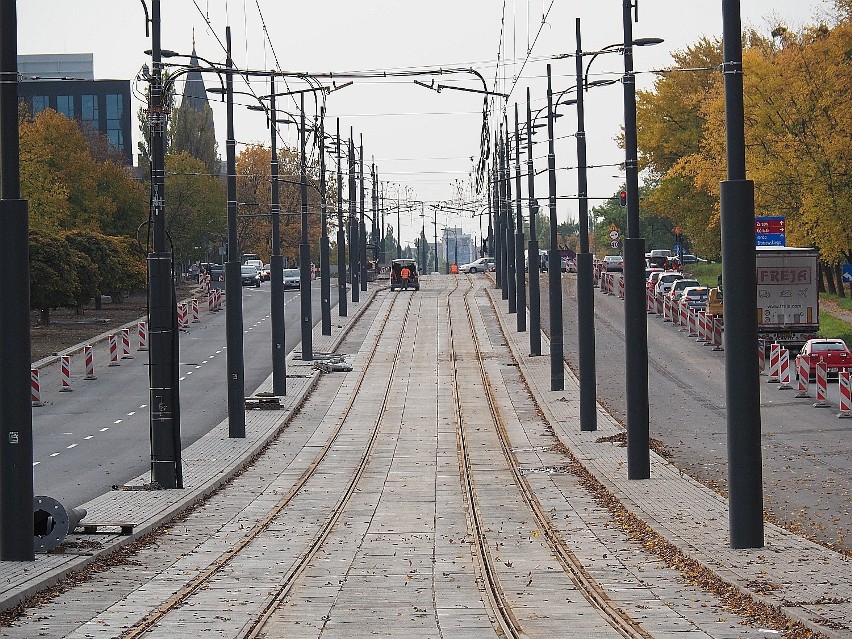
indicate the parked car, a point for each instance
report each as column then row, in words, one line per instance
column 834, row 352
column 676, row 290
column 695, row 297
column 266, row 272
column 613, row 263
column 217, row 272
column 652, row 279
column 292, row 278
column 658, row 261
column 650, row 271
column 249, row 275
column 477, row 266
column 398, row 281
column 257, row 264
column 666, row 281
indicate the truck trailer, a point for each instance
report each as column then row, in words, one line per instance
column 787, row 295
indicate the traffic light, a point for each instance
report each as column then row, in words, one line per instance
column 622, row 198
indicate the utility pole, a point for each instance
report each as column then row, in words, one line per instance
column 520, row 285
column 325, row 273
column 304, row 246
column 233, row 280
column 276, row 265
column 509, row 234
column 16, row 421
column 164, row 393
column 398, row 224
column 362, row 253
column 585, row 268
column 353, row 221
column 554, row 261
column 534, row 258
column 503, row 263
column 341, row 235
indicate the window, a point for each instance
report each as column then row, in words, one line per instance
column 114, row 113
column 89, row 109
column 65, row 105
column 40, row 103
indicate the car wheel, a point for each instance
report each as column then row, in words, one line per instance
column 472, row 269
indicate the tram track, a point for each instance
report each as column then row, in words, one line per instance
column 592, row 591
column 206, row 576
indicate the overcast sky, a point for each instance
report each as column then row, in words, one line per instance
column 422, row 141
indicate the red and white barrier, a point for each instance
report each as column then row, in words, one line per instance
column 784, row 370
column 821, row 385
column 143, row 336
column 113, row 350
column 717, row 333
column 844, row 381
column 774, row 363
column 195, row 319
column 65, row 373
column 659, row 301
column 761, row 356
column 692, row 323
column 125, row 344
column 35, row 388
column 803, row 370
column 684, row 317
column 210, row 297
column 667, row 309
column 90, row 362
column 621, row 286
column 649, row 302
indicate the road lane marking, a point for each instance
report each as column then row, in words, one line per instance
column 89, row 437
column 118, row 421
column 181, row 379
column 36, row 463
column 71, row 446
column 54, row 454
column 131, row 413
column 103, row 430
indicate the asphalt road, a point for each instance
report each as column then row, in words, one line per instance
column 807, row 452
column 97, row 436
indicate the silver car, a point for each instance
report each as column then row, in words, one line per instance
column 292, row 278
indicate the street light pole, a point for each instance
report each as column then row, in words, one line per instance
column 534, row 259
column 520, row 285
column 635, row 316
column 325, row 274
column 304, row 246
column 16, row 421
column 233, row 280
column 554, row 262
column 276, row 265
column 362, row 228
column 353, row 221
column 341, row 235
column 509, row 234
column 585, row 271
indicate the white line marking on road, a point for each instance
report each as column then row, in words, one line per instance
column 89, row 437
column 71, row 446
column 197, row 367
column 204, row 361
column 54, row 454
column 131, row 413
column 36, row 463
column 103, row 430
column 118, row 421
column 143, row 405
column 181, row 379
column 190, row 372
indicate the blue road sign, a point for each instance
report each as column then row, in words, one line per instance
column 847, row 273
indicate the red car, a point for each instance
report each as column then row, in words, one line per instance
column 833, row 352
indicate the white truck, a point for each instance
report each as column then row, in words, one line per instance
column 787, row 295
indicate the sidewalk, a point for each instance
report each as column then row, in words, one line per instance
column 207, row 464
column 808, row 582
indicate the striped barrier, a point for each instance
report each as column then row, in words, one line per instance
column 649, row 302
column 35, row 388
column 65, row 373
column 195, row 319
column 717, row 333
column 143, row 336
column 125, row 344
column 90, row 362
column 620, row 286
column 210, row 299
column 774, row 363
column 803, row 371
column 667, row 309
column 843, row 380
column 821, row 385
column 692, row 323
column 761, row 356
column 113, row 350
column 702, row 327
column 784, row 370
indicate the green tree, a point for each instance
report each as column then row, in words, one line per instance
column 54, row 277
column 191, row 131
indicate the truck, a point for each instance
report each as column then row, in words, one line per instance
column 787, row 295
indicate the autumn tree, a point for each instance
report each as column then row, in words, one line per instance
column 191, row 131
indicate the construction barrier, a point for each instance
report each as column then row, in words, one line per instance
column 210, row 297
column 717, row 333
column 684, row 317
column 761, row 356
column 195, row 319
column 667, row 309
column 620, row 286
column 803, row 367
column 649, row 302
column 784, row 370
column 143, row 336
column 65, row 373
column 90, row 362
column 125, row 344
column 821, row 385
column 843, row 381
column 35, row 388
column 774, row 363
column 113, row 350
column 692, row 323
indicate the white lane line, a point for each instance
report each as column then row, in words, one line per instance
column 219, row 351
column 190, row 372
column 71, row 446
column 89, row 437
column 36, row 463
column 103, row 430
column 181, row 379
column 197, row 367
column 118, row 421
column 143, row 405
column 203, row 362
column 54, row 454
column 131, row 413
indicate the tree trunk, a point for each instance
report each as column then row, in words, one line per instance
column 838, row 271
column 828, row 278
column 44, row 320
column 97, row 301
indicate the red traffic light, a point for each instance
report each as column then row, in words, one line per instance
column 622, row 198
